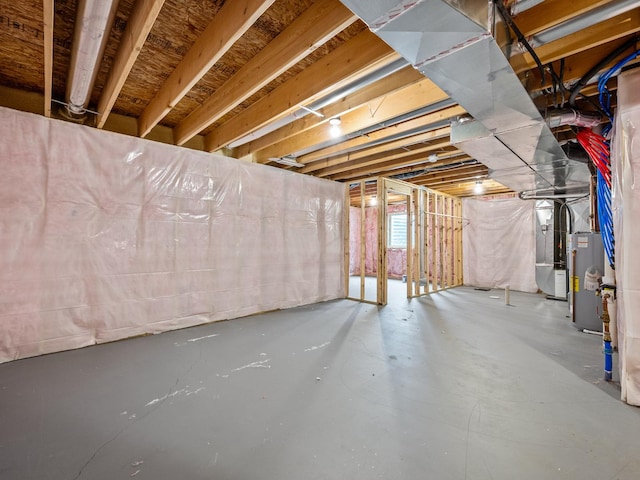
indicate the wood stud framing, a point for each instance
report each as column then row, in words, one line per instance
column 434, row 237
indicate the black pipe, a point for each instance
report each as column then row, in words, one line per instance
column 596, row 68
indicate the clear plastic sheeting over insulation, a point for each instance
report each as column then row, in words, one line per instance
column 499, row 246
column 105, row 237
column 626, row 212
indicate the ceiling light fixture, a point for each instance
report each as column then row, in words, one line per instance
column 478, row 189
column 433, row 158
column 374, row 201
column 335, row 130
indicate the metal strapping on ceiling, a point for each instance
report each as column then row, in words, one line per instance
column 463, row 47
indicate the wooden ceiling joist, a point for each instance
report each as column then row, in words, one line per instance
column 385, row 163
column 576, row 66
column 48, row 13
column 355, row 58
column 390, row 149
column 229, row 24
column 447, row 157
column 142, row 18
column 320, row 22
column 490, row 187
column 553, row 12
column 467, row 172
column 389, row 107
column 402, row 78
column 399, row 167
column 617, row 27
column 325, row 157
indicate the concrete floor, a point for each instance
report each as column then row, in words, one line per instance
column 452, row 386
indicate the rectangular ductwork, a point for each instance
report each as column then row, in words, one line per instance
column 463, row 47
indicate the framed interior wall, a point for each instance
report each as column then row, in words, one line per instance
column 432, row 260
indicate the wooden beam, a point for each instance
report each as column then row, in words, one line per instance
column 32, row 102
column 465, row 189
column 348, row 165
column 603, row 32
column 450, row 157
column 352, row 60
column 480, row 172
column 139, row 25
column 446, row 176
column 324, row 157
column 48, row 14
column 553, row 12
column 228, row 25
column 416, row 161
column 319, row 23
column 400, row 79
column 397, row 103
column 382, row 166
column 346, row 234
column 385, row 148
column 576, row 66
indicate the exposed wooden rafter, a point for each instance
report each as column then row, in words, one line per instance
column 352, row 60
column 231, row 22
column 379, row 152
column 320, row 22
column 403, row 78
column 617, row 27
column 142, row 18
column 389, row 107
column 553, row 12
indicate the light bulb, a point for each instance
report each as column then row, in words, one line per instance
column 335, row 131
column 478, row 189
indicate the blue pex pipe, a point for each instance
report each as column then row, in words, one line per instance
column 608, row 362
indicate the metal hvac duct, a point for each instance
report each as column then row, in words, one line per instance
column 93, row 25
column 463, row 47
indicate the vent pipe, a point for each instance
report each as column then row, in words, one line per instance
column 93, row 25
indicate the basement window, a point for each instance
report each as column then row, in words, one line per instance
column 397, row 230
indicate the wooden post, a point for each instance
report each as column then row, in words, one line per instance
column 363, row 239
column 416, row 240
column 450, row 241
column 409, row 214
column 458, row 251
column 347, row 229
column 382, row 242
column 434, row 241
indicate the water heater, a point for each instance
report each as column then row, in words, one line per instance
column 586, row 266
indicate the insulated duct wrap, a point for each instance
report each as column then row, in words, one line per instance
column 462, row 46
column 105, row 236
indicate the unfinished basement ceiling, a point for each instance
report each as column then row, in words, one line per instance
column 247, row 76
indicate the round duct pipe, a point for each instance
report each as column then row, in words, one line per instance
column 93, row 25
